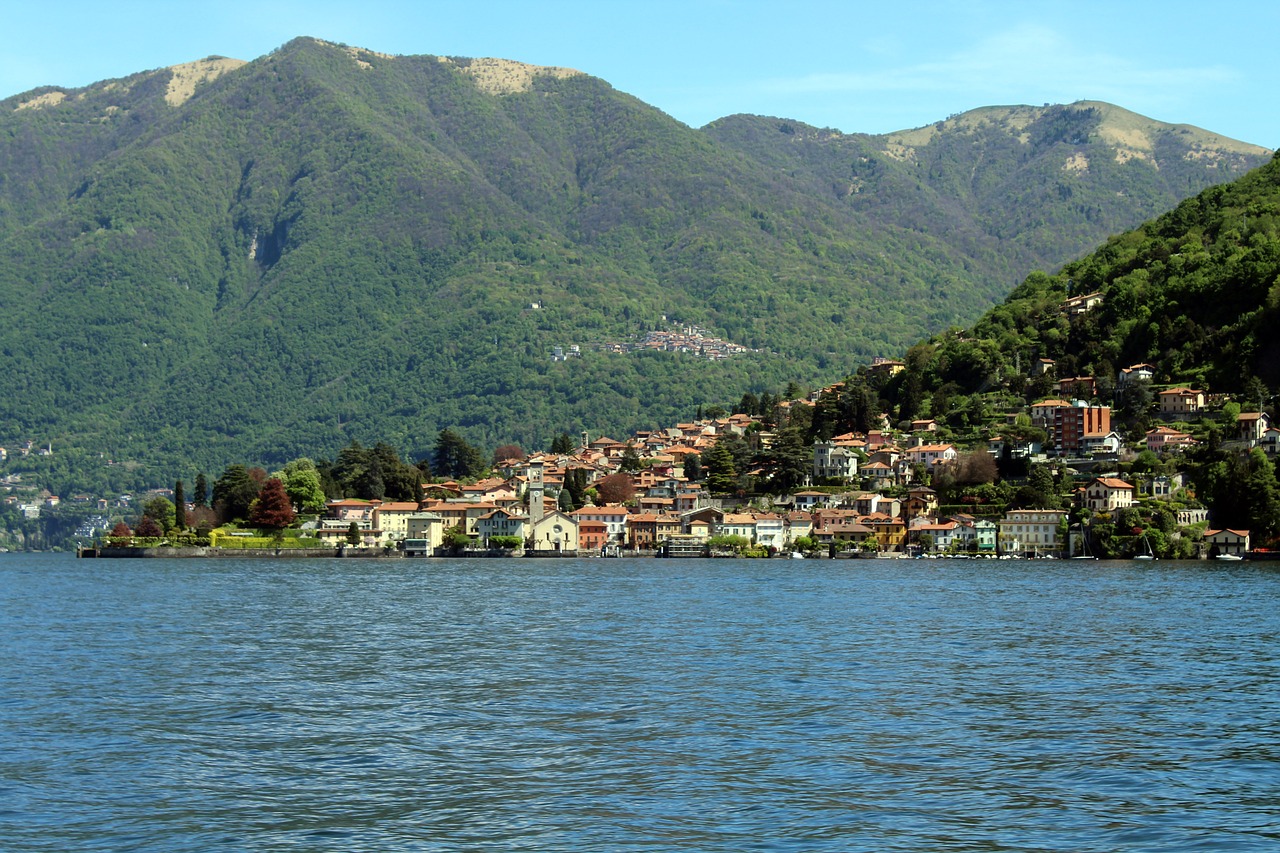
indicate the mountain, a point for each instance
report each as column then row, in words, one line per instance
column 230, row 261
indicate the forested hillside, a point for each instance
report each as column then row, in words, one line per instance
column 270, row 259
column 1194, row 293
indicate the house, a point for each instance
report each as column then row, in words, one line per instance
column 921, row 501
column 556, row 532
column 771, row 530
column 924, row 425
column 931, row 455
column 799, row 524
column 1181, row 402
column 1042, row 366
column 424, row 533
column 1190, row 516
column 614, row 519
column 1252, row 426
column 1030, row 532
column 501, row 522
column 835, row 460
column 879, row 475
column 1135, row 373
column 392, row 518
column 807, row 500
column 646, row 531
column 1097, row 443
column 1077, row 386
column 1165, row 439
column 1226, row 542
column 1270, row 441
column 592, row 536
column 1108, row 494
column 1079, row 305
column 890, row 531
column 941, row 534
column 1164, row 486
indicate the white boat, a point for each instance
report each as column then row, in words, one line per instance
column 1230, row 557
column 1146, row 551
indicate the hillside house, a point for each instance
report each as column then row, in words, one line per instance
column 1165, row 439
column 1181, row 402
column 1108, row 494
column 1252, row 426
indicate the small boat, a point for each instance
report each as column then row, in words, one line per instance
column 1146, row 551
column 796, row 555
column 1234, row 558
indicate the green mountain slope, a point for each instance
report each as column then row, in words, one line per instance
column 1195, row 293
column 252, row 261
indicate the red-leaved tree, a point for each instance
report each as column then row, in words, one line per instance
column 615, row 488
column 148, row 528
column 273, row 509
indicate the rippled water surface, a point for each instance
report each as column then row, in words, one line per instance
column 349, row 705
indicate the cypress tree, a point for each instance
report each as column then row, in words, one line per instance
column 179, row 507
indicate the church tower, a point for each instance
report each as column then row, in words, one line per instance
column 535, row 493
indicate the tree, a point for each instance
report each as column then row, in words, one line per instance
column 615, row 488
column 353, row 534
column 974, row 469
column 507, row 451
column 201, row 497
column 233, row 493
column 179, row 507
column 160, row 510
column 273, row 509
column 565, row 501
column 148, row 528
column 121, row 531
column 722, row 475
column 630, row 461
column 301, row 481
column 455, row 457
column 789, row 461
column 562, row 444
column 693, row 467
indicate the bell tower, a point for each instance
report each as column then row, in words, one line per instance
column 535, row 492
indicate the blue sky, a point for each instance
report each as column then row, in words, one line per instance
column 855, row 66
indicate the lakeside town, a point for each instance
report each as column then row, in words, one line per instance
column 885, row 492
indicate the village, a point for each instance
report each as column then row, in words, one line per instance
column 876, row 496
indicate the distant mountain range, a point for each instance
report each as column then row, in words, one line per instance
column 230, row 261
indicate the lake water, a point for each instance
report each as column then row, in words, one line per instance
column 656, row 705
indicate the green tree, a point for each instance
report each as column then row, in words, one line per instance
column 233, row 493
column 722, row 474
column 353, row 534
column 161, row 510
column 788, row 460
column 562, row 444
column 455, row 457
column 693, row 467
column 179, row 507
column 301, row 481
column 201, row 498
column 630, row 461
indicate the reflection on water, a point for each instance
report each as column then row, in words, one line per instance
column 637, row 705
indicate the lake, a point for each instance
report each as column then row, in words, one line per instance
column 656, row 705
